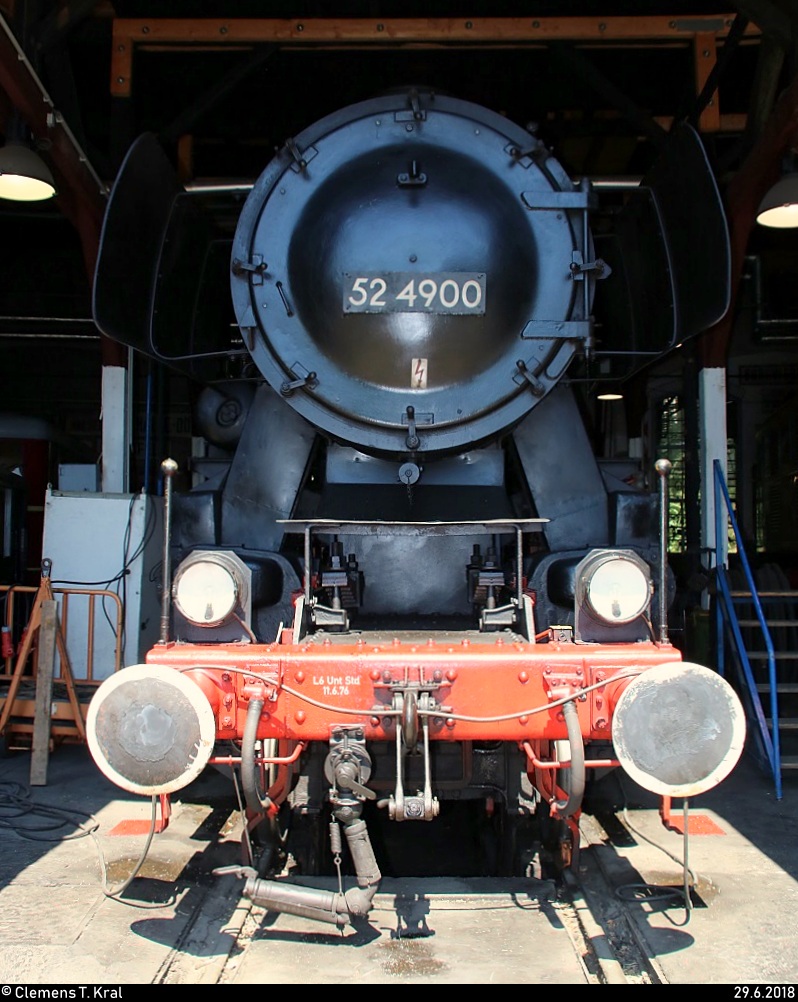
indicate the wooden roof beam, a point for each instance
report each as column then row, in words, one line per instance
column 392, row 32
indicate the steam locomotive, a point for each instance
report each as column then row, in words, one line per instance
column 403, row 580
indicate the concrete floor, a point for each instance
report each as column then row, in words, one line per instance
column 58, row 928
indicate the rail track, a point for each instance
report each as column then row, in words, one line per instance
column 426, row 930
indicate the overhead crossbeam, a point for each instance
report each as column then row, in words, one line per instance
column 702, row 33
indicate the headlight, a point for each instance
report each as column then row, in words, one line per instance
column 615, row 585
column 208, row 587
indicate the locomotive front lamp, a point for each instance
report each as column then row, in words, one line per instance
column 615, row 585
column 207, row 588
column 24, row 176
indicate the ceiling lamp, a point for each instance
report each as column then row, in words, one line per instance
column 24, row 176
column 608, row 394
column 779, row 207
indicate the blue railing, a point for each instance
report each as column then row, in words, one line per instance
column 726, row 617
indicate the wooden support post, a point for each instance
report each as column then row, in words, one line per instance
column 44, row 597
column 705, row 56
column 40, row 751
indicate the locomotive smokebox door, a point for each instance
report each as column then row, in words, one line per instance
column 413, row 282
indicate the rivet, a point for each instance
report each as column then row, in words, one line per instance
column 523, row 677
column 299, row 677
column 300, row 716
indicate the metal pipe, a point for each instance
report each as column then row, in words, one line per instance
column 663, row 468
column 368, row 872
column 308, row 569
column 565, row 808
column 168, row 468
column 519, row 570
column 148, row 430
column 593, row 763
column 254, row 801
column 264, row 759
column 325, row 906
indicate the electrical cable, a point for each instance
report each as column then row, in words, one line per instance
column 652, row 892
column 45, row 821
column 441, row 711
column 16, row 804
column 116, row 891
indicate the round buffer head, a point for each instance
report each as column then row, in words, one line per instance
column 678, row 729
column 150, row 729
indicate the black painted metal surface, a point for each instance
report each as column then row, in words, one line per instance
column 404, row 272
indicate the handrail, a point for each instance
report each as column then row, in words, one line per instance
column 770, row 738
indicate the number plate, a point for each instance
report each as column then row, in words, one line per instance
column 455, row 292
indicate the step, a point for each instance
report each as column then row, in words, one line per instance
column 789, row 762
column 779, row 655
column 768, row 622
column 765, row 594
column 783, row 688
column 785, row 723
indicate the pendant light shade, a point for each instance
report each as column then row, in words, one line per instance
column 24, row 176
column 779, row 207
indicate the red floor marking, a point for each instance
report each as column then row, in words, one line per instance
column 697, row 824
column 135, row 827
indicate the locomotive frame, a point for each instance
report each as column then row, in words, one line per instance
column 299, row 642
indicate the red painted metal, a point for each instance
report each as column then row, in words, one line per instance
column 139, row 826
column 486, row 690
column 697, row 824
